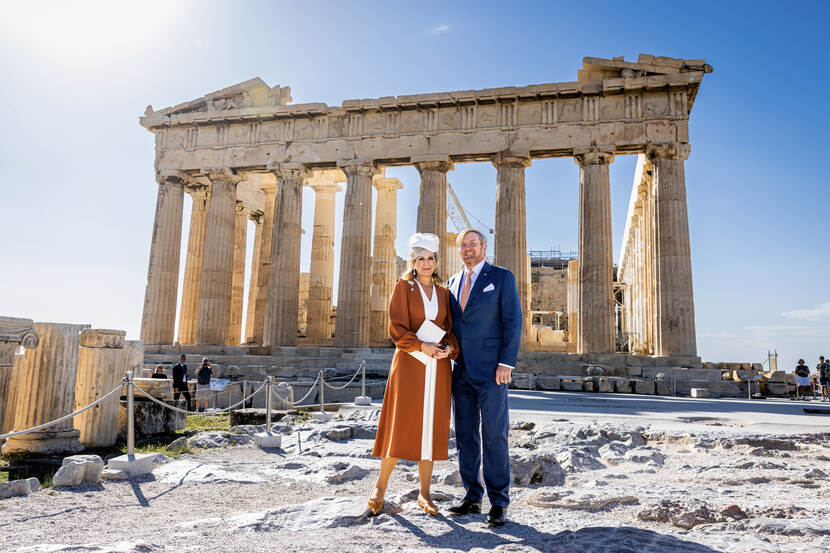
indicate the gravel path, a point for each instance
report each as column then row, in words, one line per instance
column 583, row 487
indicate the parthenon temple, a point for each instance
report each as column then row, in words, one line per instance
column 245, row 153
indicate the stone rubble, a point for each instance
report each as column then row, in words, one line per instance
column 577, row 486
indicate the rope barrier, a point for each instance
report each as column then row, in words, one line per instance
column 343, row 387
column 65, row 417
column 311, row 389
column 176, row 409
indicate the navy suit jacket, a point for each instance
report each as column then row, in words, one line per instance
column 489, row 330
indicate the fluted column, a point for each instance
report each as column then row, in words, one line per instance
column 256, row 217
column 510, row 249
column 432, row 201
column 384, row 260
column 674, row 301
column 269, row 187
column 452, row 259
column 189, row 309
column 158, row 319
column 238, row 279
column 45, row 391
column 354, row 281
column 100, row 369
column 284, row 281
column 321, row 274
column 14, row 332
column 217, row 268
column 649, row 261
column 596, row 301
column 573, row 301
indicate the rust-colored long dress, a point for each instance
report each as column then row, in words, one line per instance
column 402, row 421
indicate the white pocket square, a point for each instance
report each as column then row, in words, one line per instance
column 489, row 288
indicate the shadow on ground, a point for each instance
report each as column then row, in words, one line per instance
column 599, row 539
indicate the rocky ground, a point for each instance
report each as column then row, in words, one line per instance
column 579, row 486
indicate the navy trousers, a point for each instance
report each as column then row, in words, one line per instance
column 481, row 416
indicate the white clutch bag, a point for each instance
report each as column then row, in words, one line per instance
column 429, row 332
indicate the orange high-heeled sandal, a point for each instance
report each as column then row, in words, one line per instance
column 427, row 505
column 375, row 505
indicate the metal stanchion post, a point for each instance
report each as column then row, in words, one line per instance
column 749, row 386
column 363, row 399
column 130, row 414
column 322, row 393
column 269, row 383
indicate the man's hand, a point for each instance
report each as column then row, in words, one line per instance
column 503, row 374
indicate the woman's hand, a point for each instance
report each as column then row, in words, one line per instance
column 432, row 350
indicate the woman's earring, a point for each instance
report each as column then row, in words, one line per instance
column 414, row 272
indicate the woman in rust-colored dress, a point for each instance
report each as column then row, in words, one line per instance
column 415, row 419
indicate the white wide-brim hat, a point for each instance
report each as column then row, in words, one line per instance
column 424, row 240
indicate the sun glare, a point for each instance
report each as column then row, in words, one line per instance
column 88, row 32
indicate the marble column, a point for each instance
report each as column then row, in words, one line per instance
column 674, row 302
column 284, row 280
column 649, row 288
column 384, row 260
column 45, row 391
column 432, row 201
column 217, row 267
column 321, row 277
column 596, row 294
column 452, row 258
column 191, row 284
column 510, row 248
column 14, row 333
column 268, row 185
column 100, row 370
column 352, row 329
column 256, row 217
column 133, row 359
column 573, row 301
column 238, row 279
column 158, row 319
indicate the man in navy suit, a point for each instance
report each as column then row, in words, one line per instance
column 487, row 321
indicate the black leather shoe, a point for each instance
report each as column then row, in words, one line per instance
column 497, row 516
column 465, row 508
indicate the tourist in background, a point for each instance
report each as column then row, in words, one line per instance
column 203, row 374
column 159, row 372
column 180, row 381
column 823, row 370
column 415, row 419
column 802, row 380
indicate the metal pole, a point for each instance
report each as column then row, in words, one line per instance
column 130, row 414
column 749, row 386
column 268, row 402
column 322, row 393
column 363, row 379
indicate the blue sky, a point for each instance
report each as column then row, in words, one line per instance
column 76, row 169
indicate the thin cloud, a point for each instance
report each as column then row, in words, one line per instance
column 820, row 313
column 440, row 29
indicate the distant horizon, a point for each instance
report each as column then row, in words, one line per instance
column 77, row 169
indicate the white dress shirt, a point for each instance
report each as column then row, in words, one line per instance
column 473, row 277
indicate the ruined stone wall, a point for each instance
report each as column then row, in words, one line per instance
column 549, row 289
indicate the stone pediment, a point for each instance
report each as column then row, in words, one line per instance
column 253, row 93
column 595, row 70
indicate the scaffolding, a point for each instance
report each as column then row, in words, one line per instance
column 554, row 258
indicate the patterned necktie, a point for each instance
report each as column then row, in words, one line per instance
column 465, row 292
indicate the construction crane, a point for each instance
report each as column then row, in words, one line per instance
column 455, row 212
